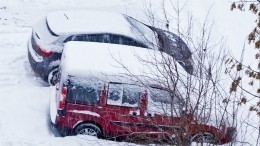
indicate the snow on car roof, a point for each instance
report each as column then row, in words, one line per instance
column 79, row 22
column 89, row 58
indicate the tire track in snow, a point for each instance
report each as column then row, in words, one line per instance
column 1, row 131
column 14, row 65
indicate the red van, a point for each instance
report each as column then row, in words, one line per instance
column 89, row 100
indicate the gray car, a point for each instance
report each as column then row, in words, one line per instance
column 51, row 33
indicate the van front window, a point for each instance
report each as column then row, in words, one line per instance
column 163, row 102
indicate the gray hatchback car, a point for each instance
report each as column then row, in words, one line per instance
column 51, row 33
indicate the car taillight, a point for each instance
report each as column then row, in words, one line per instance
column 61, row 105
column 42, row 52
column 38, row 49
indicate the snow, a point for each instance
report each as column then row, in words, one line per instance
column 41, row 32
column 85, row 112
column 24, row 106
column 112, row 60
column 119, row 103
column 53, row 104
column 79, row 22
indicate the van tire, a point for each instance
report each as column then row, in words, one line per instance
column 203, row 137
column 88, row 129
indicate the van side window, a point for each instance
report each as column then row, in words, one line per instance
column 123, row 95
column 162, row 102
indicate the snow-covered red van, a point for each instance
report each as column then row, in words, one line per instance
column 103, row 92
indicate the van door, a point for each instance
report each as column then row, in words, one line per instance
column 122, row 107
column 163, row 112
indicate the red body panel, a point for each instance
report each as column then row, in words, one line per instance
column 134, row 122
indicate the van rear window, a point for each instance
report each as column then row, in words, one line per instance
column 83, row 92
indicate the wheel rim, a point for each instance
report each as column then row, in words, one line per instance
column 53, row 77
column 203, row 138
column 88, row 131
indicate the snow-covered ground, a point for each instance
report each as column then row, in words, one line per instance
column 24, row 119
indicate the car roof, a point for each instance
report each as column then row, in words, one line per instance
column 113, row 62
column 88, row 21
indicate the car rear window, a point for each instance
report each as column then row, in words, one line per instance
column 83, row 91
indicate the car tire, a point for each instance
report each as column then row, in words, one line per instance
column 88, row 129
column 53, row 77
column 203, row 137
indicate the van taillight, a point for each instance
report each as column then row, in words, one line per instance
column 62, row 98
column 42, row 52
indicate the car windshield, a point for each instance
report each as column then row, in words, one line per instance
column 142, row 32
column 163, row 102
column 83, row 91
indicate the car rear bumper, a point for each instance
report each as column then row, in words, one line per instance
column 41, row 66
column 37, row 68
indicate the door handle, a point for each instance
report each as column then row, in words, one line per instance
column 134, row 113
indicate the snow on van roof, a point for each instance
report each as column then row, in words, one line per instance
column 89, row 58
column 87, row 21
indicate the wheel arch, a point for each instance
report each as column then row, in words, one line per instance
column 53, row 71
column 216, row 140
column 89, row 122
